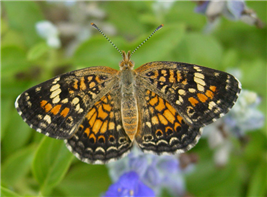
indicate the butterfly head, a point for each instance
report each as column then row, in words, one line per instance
column 126, row 63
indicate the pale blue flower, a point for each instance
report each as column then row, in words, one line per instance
column 166, row 5
column 231, row 9
column 243, row 117
column 129, row 185
column 48, row 31
column 66, row 2
column 157, row 172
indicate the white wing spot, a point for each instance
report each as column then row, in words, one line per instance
column 200, row 87
column 192, row 90
column 118, row 127
column 148, row 124
column 56, row 80
column 56, row 99
column 216, row 74
column 199, row 75
column 75, row 101
column 199, row 81
column 211, row 105
column 65, row 100
column 38, row 89
column 181, row 92
column 55, row 93
column 29, row 103
column 197, row 68
column 54, row 87
column 77, row 108
column 47, row 118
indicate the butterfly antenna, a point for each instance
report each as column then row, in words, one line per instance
column 94, row 25
column 158, row 28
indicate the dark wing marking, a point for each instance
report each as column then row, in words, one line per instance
column 161, row 128
column 101, row 136
column 57, row 106
column 200, row 95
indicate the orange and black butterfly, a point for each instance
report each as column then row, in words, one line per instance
column 101, row 112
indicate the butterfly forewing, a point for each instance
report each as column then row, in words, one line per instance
column 56, row 106
column 200, row 95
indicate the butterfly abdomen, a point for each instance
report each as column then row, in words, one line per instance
column 129, row 110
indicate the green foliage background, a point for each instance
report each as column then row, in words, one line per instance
column 33, row 164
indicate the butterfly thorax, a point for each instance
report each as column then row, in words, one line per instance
column 129, row 110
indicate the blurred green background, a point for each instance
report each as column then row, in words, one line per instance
column 33, row 164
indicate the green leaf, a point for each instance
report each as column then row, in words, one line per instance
column 50, row 164
column 159, row 46
column 16, row 135
column 183, row 12
column 207, row 180
column 257, row 185
column 199, row 49
column 96, row 52
column 126, row 16
column 85, row 180
column 6, row 192
column 37, row 51
column 6, row 106
column 12, row 38
column 230, row 59
column 17, row 165
column 13, row 61
column 23, row 16
column 254, row 75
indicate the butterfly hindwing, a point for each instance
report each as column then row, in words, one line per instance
column 101, row 136
column 56, row 106
column 201, row 95
column 161, row 128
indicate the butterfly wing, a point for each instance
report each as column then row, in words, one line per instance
column 161, row 128
column 101, row 136
column 57, row 106
column 200, row 95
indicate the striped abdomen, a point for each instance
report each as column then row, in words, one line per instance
column 129, row 114
column 129, row 110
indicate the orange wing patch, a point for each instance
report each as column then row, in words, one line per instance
column 65, row 112
column 193, row 101
column 45, row 105
column 213, row 88
column 202, row 97
column 162, row 114
column 98, row 117
column 55, row 109
column 163, row 129
column 209, row 94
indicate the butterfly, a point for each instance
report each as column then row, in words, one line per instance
column 101, row 112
